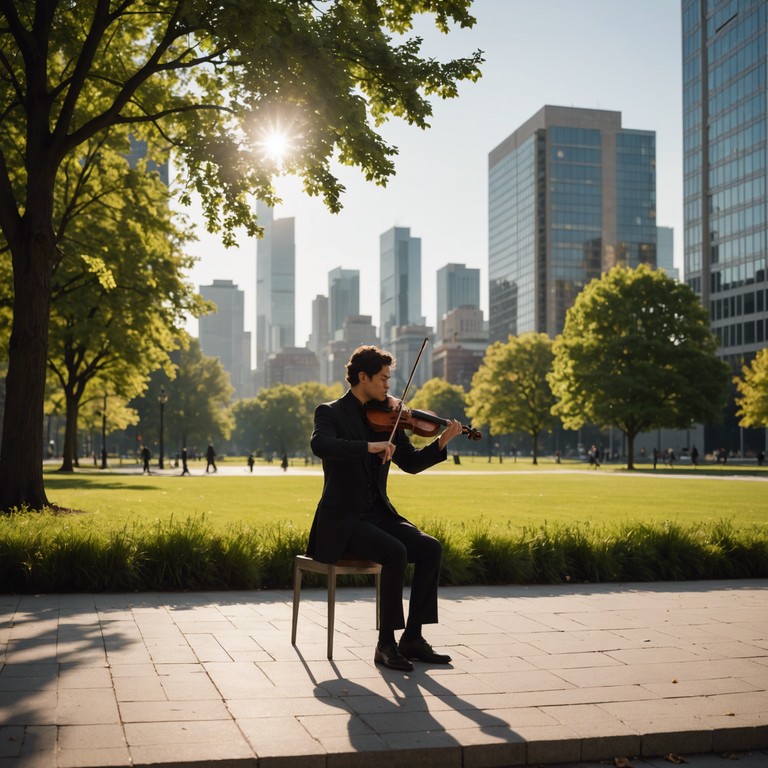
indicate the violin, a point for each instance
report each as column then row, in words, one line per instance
column 383, row 414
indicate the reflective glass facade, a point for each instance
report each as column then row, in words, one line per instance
column 275, row 285
column 400, row 276
column 724, row 123
column 571, row 194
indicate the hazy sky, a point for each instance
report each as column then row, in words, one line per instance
column 619, row 55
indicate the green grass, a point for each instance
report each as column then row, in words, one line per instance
column 528, row 526
column 526, row 497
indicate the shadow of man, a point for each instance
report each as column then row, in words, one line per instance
column 415, row 712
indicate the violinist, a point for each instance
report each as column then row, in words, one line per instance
column 356, row 518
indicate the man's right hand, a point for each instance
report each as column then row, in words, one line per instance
column 384, row 448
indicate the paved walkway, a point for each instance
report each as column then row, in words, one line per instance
column 541, row 675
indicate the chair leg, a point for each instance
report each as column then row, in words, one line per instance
column 296, row 598
column 378, row 598
column 331, row 607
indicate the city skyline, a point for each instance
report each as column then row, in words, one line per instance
column 553, row 52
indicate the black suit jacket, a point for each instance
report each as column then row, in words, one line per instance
column 340, row 438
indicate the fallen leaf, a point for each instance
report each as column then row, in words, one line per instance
column 622, row 762
column 676, row 759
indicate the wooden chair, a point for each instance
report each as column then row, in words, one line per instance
column 348, row 565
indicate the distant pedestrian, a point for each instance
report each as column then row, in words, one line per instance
column 146, row 455
column 284, row 463
column 594, row 457
column 671, row 458
column 250, row 462
column 760, row 457
column 210, row 457
column 655, row 457
column 184, row 467
column 695, row 456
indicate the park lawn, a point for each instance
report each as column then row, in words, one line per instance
column 529, row 496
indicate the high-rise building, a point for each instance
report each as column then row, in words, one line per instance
column 464, row 342
column 343, row 297
column 275, row 287
column 356, row 330
column 725, row 117
column 725, row 126
column 457, row 286
column 570, row 194
column 222, row 333
column 138, row 153
column 665, row 251
column 400, row 278
column 320, row 335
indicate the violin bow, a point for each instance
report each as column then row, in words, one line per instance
column 407, row 386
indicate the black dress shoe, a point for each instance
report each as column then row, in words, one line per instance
column 420, row 649
column 389, row 656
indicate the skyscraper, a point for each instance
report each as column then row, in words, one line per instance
column 665, row 251
column 275, row 286
column 570, row 194
column 400, row 277
column 457, row 286
column 343, row 297
column 726, row 173
column 319, row 336
column 222, row 334
column 725, row 116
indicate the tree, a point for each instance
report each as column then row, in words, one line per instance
column 198, row 408
column 121, row 299
column 510, row 391
column 752, row 387
column 211, row 81
column 637, row 353
column 274, row 421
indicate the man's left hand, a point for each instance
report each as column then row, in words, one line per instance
column 453, row 429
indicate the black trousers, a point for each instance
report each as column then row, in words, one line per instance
column 394, row 542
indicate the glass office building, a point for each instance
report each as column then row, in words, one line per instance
column 275, row 286
column 343, row 297
column 724, row 143
column 570, row 194
column 724, row 123
column 400, row 276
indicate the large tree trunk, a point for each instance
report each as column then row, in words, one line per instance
column 21, row 450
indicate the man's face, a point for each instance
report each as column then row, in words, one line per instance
column 376, row 387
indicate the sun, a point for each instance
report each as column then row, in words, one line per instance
column 276, row 145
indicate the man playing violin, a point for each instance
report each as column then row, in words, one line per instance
column 356, row 518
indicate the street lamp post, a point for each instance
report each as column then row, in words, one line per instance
column 162, row 398
column 104, row 434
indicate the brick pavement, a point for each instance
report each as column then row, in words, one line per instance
column 540, row 675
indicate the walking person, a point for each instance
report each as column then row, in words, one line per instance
column 210, row 458
column 184, row 467
column 146, row 455
column 356, row 517
column 250, row 462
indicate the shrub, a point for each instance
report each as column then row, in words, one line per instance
column 57, row 553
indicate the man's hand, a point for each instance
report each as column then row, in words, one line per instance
column 384, row 448
column 453, row 429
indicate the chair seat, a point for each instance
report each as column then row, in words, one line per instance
column 347, row 565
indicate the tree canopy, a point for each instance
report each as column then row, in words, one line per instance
column 752, row 386
column 510, row 391
column 198, row 407
column 637, row 353
column 209, row 81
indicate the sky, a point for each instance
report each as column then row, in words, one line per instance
column 618, row 55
